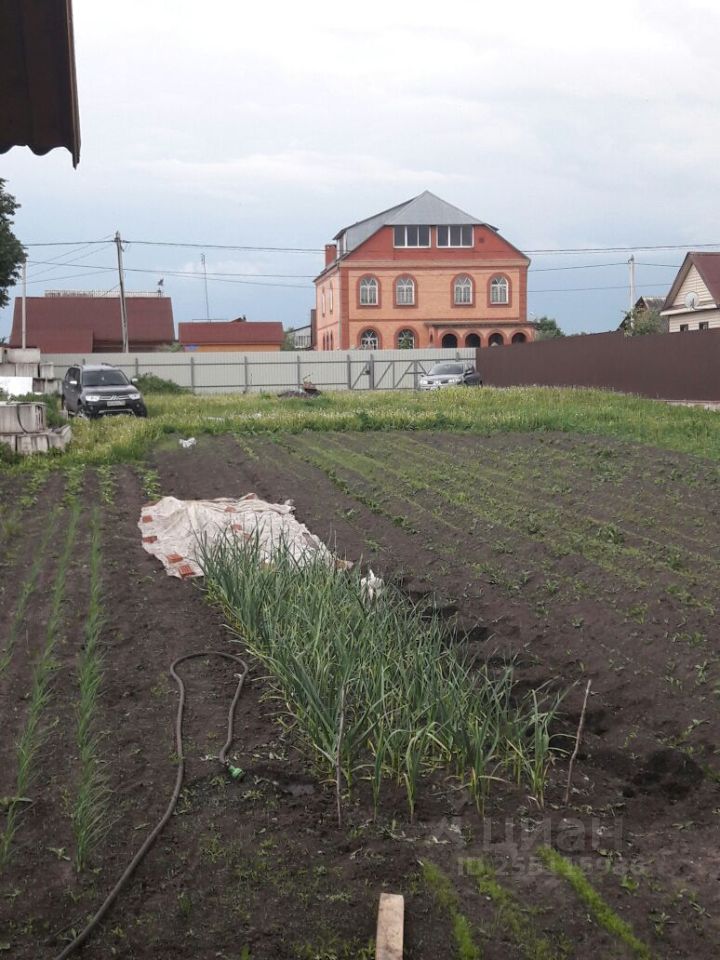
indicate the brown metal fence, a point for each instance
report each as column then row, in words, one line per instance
column 672, row 366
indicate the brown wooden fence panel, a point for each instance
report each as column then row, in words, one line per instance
column 671, row 366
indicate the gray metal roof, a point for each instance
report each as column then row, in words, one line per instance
column 426, row 209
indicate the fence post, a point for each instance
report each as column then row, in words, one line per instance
column 192, row 373
column 137, row 367
column 349, row 372
column 299, row 372
column 246, row 375
column 371, row 372
column 415, row 374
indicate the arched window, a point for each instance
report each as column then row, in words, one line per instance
column 519, row 338
column 463, row 290
column 449, row 340
column 496, row 340
column 499, row 290
column 322, row 302
column 472, row 340
column 405, row 291
column 406, row 340
column 332, row 339
column 368, row 292
column 369, row 340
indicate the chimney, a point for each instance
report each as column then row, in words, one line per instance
column 330, row 253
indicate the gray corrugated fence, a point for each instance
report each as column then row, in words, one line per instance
column 274, row 372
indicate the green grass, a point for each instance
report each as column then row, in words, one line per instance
column 527, row 409
column 446, row 896
column 603, row 913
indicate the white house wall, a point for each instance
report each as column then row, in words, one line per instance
column 693, row 319
column 693, row 283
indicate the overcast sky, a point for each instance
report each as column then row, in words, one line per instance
column 565, row 125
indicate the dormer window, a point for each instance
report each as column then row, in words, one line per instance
column 459, row 236
column 412, row 236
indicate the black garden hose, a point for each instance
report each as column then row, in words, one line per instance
column 152, row 836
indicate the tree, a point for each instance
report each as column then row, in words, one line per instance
column 12, row 252
column 546, row 328
column 638, row 323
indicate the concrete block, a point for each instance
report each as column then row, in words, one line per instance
column 22, row 418
column 60, row 437
column 18, row 355
column 27, row 443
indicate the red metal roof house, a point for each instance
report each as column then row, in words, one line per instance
column 238, row 335
column 82, row 323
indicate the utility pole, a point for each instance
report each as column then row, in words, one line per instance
column 123, row 305
column 207, row 302
column 631, row 264
column 24, row 304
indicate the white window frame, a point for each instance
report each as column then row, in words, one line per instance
column 405, row 283
column 369, row 342
column 412, row 226
column 404, row 334
column 457, row 226
column 331, row 298
column 368, row 284
column 463, row 282
column 496, row 285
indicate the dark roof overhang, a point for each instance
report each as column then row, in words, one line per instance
column 37, row 77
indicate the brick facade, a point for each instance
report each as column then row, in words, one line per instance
column 434, row 317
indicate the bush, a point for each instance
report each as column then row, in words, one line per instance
column 150, row 383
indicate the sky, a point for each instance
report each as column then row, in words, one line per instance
column 235, row 125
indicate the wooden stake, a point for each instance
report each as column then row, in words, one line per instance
column 389, row 939
column 578, row 737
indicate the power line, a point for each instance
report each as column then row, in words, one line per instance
column 191, row 273
column 545, row 251
column 644, row 286
column 224, row 246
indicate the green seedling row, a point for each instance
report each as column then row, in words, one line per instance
column 27, row 591
column 90, row 817
column 35, row 731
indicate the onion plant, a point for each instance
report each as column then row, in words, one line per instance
column 89, row 814
column 35, row 732
column 410, row 703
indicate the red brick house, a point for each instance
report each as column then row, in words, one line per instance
column 85, row 322
column 422, row 274
column 238, row 335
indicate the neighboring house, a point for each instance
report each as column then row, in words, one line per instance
column 694, row 299
column 421, row 274
column 301, row 337
column 83, row 322
column 645, row 307
column 239, row 335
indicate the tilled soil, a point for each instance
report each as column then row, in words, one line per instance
column 495, row 530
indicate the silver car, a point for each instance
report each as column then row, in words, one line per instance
column 450, row 373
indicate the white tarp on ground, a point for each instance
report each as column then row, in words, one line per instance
column 173, row 530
